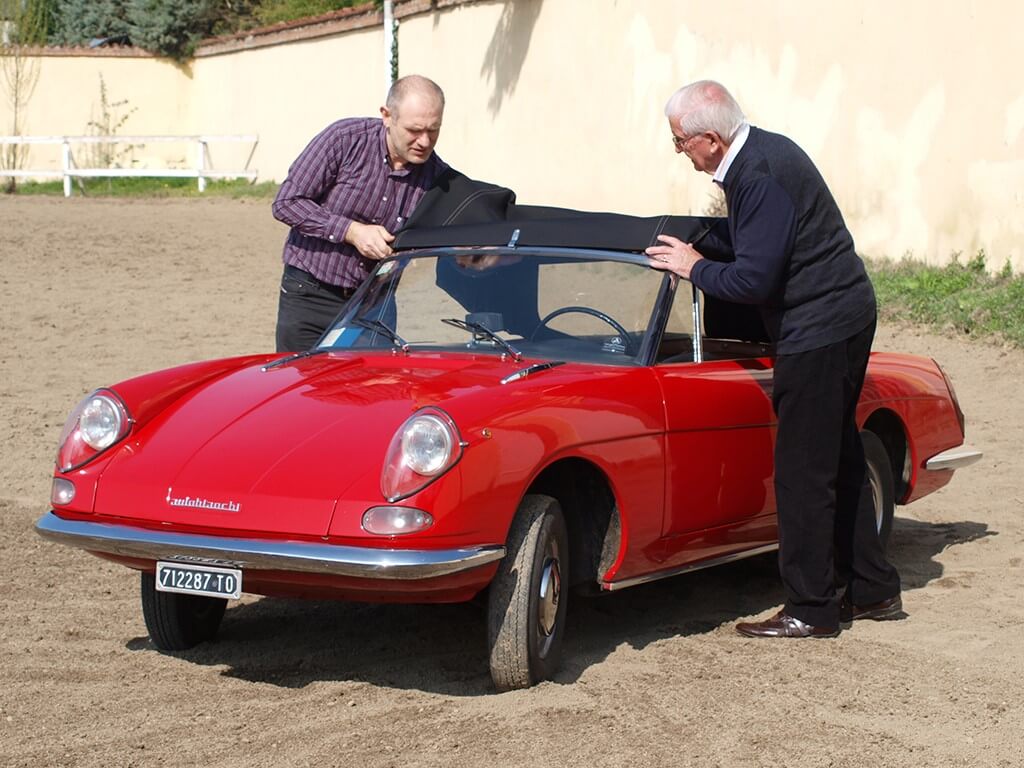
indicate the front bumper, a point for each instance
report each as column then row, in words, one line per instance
column 264, row 554
column 954, row 458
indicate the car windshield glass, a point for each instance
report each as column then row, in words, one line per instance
column 552, row 307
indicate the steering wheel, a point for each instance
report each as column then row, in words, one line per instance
column 623, row 333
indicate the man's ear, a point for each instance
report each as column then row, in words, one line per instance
column 385, row 114
column 720, row 146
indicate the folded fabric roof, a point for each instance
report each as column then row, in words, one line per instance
column 464, row 212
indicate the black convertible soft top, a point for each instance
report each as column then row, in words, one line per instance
column 464, row 212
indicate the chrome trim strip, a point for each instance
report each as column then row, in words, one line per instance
column 611, row 586
column 530, row 370
column 698, row 336
column 261, row 554
column 954, row 458
column 292, row 358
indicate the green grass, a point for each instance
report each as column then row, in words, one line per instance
column 963, row 297
column 152, row 187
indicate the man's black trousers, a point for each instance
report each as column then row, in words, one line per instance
column 827, row 530
column 305, row 309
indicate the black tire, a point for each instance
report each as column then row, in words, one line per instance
column 178, row 622
column 882, row 485
column 528, row 596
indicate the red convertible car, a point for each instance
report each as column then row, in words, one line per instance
column 514, row 402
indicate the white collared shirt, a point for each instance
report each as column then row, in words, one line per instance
column 734, row 149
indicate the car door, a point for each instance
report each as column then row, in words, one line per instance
column 720, row 431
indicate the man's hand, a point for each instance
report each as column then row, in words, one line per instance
column 477, row 261
column 371, row 240
column 673, row 255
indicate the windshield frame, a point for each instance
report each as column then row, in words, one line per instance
column 655, row 324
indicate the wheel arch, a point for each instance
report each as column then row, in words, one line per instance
column 889, row 428
column 591, row 515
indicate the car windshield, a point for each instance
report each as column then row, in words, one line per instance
column 555, row 307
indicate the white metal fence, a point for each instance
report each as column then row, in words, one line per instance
column 200, row 170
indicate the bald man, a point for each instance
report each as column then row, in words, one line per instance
column 344, row 197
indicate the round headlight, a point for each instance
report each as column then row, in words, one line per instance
column 422, row 449
column 101, row 422
column 426, row 445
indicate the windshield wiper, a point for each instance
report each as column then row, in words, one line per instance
column 483, row 329
column 296, row 356
column 380, row 327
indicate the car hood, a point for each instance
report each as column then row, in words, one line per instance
column 271, row 451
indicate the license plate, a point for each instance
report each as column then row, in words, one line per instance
column 199, row 580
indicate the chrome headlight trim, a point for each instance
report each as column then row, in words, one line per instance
column 108, row 421
column 400, row 477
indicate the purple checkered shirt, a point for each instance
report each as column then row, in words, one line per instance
column 344, row 176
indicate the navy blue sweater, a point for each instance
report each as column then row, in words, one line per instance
column 794, row 255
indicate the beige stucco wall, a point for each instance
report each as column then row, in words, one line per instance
column 145, row 97
column 912, row 110
column 285, row 94
column 288, row 93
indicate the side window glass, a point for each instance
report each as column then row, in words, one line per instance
column 677, row 341
column 727, row 331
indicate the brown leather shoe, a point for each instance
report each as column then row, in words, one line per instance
column 784, row 625
column 886, row 609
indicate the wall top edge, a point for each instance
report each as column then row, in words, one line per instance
column 113, row 52
column 335, row 22
column 345, row 20
column 405, row 8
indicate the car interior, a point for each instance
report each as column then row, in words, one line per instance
column 728, row 331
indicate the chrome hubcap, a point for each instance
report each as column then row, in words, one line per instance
column 876, row 496
column 550, row 591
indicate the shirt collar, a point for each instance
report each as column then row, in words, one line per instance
column 386, row 158
column 734, row 149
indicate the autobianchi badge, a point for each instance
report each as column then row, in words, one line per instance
column 196, row 502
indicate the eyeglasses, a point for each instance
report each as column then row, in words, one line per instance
column 680, row 142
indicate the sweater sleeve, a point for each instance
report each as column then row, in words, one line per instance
column 763, row 221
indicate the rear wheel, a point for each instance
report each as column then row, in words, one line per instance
column 177, row 622
column 527, row 599
column 883, row 494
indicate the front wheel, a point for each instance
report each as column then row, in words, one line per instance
column 883, row 493
column 527, row 600
column 178, row 622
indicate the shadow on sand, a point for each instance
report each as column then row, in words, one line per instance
column 442, row 648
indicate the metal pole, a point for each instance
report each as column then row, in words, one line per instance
column 201, row 164
column 389, row 43
column 698, row 339
column 65, row 160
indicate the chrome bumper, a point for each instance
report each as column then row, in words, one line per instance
column 954, row 458
column 264, row 554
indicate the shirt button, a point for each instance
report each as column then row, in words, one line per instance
column 385, row 198
column 330, row 237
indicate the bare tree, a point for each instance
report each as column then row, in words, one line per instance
column 24, row 28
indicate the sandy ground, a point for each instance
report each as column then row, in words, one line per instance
column 94, row 291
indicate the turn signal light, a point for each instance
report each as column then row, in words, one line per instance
column 394, row 521
column 63, row 492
